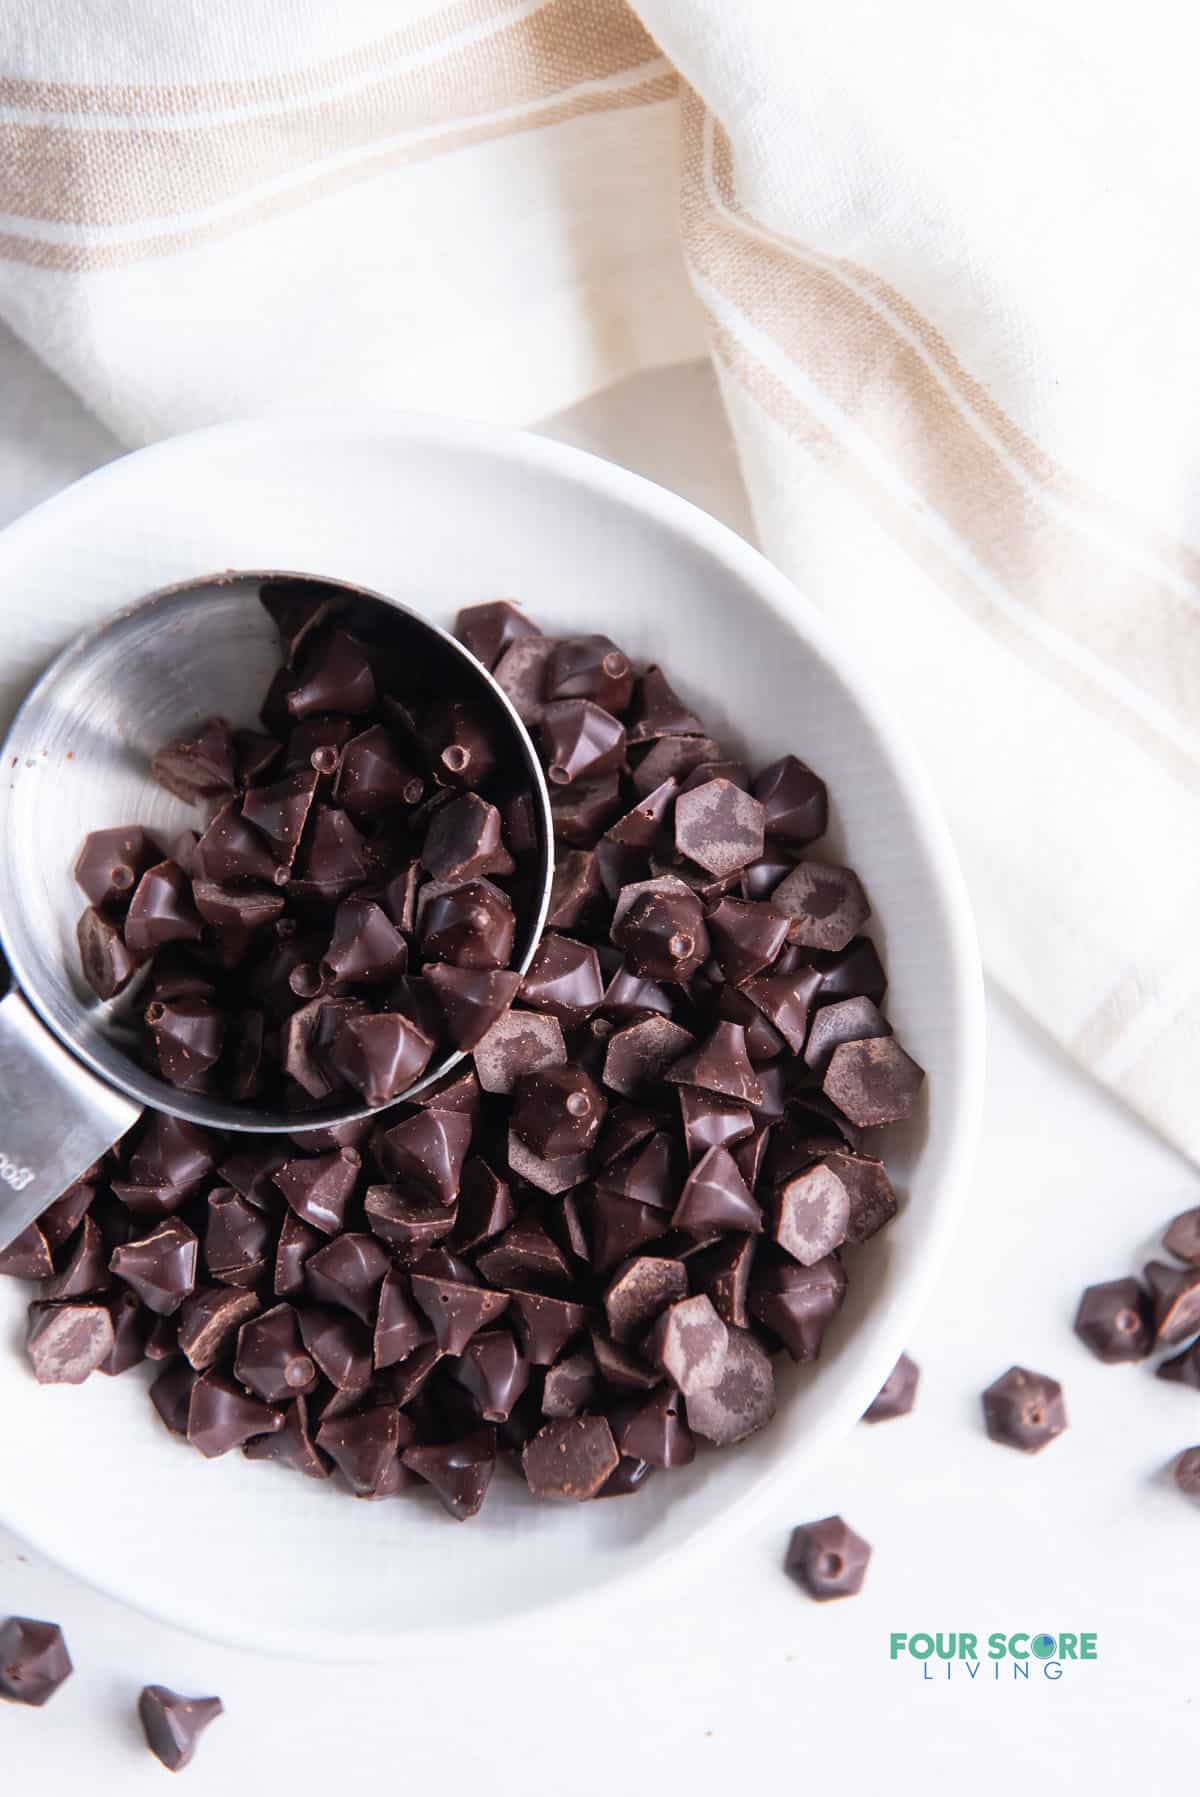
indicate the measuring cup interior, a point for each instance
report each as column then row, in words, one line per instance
column 78, row 759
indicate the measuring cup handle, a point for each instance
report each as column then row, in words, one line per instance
column 56, row 1117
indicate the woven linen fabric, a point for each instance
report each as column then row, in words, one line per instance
column 943, row 258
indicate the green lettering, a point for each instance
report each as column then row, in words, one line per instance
column 1066, row 1647
column 897, row 1644
column 996, row 1646
column 920, row 1646
column 1087, row 1647
column 966, row 1647
column 1018, row 1653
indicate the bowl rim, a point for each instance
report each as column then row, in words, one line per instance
column 944, row 1201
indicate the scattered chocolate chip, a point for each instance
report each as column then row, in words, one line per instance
column 569, row 1386
column 716, row 1198
column 495, row 1373
column 1115, row 1320
column 827, row 1559
column 318, row 1187
column 173, row 1724
column 1182, row 1238
column 1024, row 1410
column 221, row 1417
column 720, row 1065
column 689, row 1342
column 590, row 667
column 794, row 801
column 658, row 1433
column 719, row 827
column 1186, row 1472
column 160, row 1267
column 210, row 1319
column 491, row 628
column 1175, row 1295
column 640, row 1290
column 897, row 1395
column 826, row 905
column 638, row 1056
column 34, row 1662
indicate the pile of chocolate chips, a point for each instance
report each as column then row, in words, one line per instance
column 1129, row 1319
column 350, row 908
column 585, row 1248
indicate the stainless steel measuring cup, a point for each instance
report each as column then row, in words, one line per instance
column 76, row 759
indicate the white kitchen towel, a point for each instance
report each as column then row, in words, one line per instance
column 944, row 258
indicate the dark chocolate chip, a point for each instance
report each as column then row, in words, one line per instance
column 1115, row 1320
column 292, row 1445
column 658, row 1433
column 221, row 1417
column 569, row 1386
column 363, row 1445
column 495, row 1372
column 797, row 1304
column 719, row 827
column 810, row 1214
column 828, row 1559
column 171, row 1395
column 720, row 1065
column 27, row 1256
column 545, row 1325
column 373, row 778
column 430, row 1150
column 580, row 741
column 34, row 1661
column 873, row 1082
column 491, row 628
column 659, row 711
column 1175, row 1294
column 381, row 1055
column 471, row 1001
column 825, row 904
column 715, row 1197
column 111, row 863
column 897, row 1395
column 459, row 1471
column 455, row 1311
column 745, row 937
column 570, row 1458
column 339, row 1344
column 160, row 1267
column 335, row 675
column 742, row 1400
column 575, row 891
column 296, row 1242
column 318, row 1187
column 1182, row 1238
column 722, row 1272
column 209, row 1320
column 639, row 1292
column 794, row 801
column 472, row 925
column 238, row 1238
column 590, row 667
column 348, row 1271
column 1024, row 1410
column 86, row 1268
column 852, row 1020
column 564, row 979
column 107, row 961
column 161, row 910
column 638, row 1056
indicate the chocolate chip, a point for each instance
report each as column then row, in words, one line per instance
column 659, row 926
column 34, row 1661
column 318, row 1187
column 564, row 980
column 659, row 711
column 339, row 1344
column 794, row 801
column 650, row 1173
column 409, row 1222
column 171, row 1395
column 238, row 1238
column 1175, row 1294
column 590, row 667
column 719, row 827
column 575, row 889
column 1115, row 1321
column 797, row 1303
column 640, row 1054
column 363, row 1445
column 689, row 1342
column 524, row 1258
column 745, row 937
column 720, row 1065
column 583, row 810
column 519, row 1042
column 491, row 628
column 111, row 863
column 221, row 1417
column 742, row 1400
column 495, row 1373
column 639, row 1292
column 521, row 673
column 173, row 1724
column 86, row 1269
column 1186, row 1472
column 558, row 1111
column 853, row 1020
column 381, row 1056
column 569, row 1386
column 335, row 675
column 570, row 1458
column 810, row 1214
column 580, row 741
column 1182, row 1238
column 897, row 1395
column 873, row 1082
column 552, row 1176
column 372, row 777
column 630, row 1476
column 459, row 1471
column 1024, row 1410
column 430, row 1150
column 485, row 1206
column 1181, row 1369
column 456, row 1311
column 658, row 1433
column 27, row 1256
column 296, row 1242
column 828, row 1559
column 471, row 1001
column 348, row 1271
column 161, row 1266
column 108, row 964
column 161, row 911
column 826, row 905
column 715, row 1198
column 673, row 758
column 621, row 1226
column 722, row 1272
column 210, row 1319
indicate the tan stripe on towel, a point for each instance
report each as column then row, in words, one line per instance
column 80, row 257
column 842, row 343
column 106, row 177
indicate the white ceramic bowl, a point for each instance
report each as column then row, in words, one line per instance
column 441, row 514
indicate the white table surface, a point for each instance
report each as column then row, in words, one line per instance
column 738, row 1680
